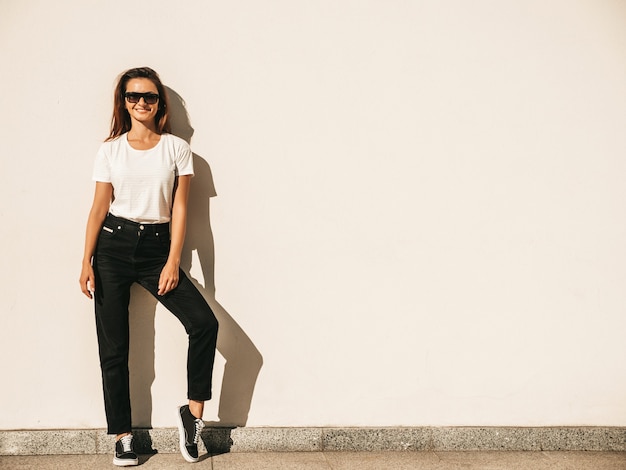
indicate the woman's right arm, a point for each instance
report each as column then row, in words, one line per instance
column 97, row 214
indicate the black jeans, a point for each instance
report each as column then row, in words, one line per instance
column 129, row 252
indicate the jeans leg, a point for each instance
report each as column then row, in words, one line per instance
column 190, row 307
column 112, row 297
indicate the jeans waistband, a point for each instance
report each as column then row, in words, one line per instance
column 125, row 224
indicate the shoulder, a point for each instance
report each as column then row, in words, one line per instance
column 115, row 140
column 177, row 148
column 110, row 146
column 175, row 141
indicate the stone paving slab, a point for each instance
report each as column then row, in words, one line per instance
column 492, row 460
column 238, row 440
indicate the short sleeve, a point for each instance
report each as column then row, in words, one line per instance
column 184, row 160
column 102, row 167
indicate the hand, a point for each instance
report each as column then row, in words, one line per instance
column 168, row 279
column 87, row 280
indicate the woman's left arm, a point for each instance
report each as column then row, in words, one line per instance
column 169, row 275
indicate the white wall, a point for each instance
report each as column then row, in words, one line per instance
column 418, row 220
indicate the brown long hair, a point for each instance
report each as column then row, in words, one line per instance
column 120, row 122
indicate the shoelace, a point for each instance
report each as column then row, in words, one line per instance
column 196, row 435
column 127, row 443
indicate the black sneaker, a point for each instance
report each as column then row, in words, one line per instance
column 124, row 454
column 189, row 428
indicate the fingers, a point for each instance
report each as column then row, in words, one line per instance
column 87, row 286
column 167, row 286
column 86, row 292
column 167, row 283
column 170, row 286
column 87, row 282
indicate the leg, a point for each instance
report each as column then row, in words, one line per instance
column 201, row 325
column 112, row 296
column 190, row 307
column 196, row 408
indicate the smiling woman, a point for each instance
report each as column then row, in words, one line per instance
column 135, row 233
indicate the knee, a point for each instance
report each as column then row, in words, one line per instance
column 207, row 324
column 211, row 323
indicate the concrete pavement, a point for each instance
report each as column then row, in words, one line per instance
column 469, row 460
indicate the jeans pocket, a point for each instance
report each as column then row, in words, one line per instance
column 109, row 231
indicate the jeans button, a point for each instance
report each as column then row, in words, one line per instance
column 141, row 227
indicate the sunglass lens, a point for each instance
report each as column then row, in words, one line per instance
column 149, row 98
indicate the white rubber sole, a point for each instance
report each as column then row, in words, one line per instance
column 181, row 438
column 125, row 462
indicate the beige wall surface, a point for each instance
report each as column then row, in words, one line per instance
column 405, row 212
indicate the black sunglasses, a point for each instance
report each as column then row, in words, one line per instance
column 149, row 98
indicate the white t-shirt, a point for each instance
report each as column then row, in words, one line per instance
column 143, row 180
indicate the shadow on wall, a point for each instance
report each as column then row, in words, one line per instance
column 243, row 360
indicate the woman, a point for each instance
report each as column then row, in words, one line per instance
column 135, row 233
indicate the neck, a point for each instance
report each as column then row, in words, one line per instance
column 141, row 131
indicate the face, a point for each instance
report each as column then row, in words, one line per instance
column 141, row 111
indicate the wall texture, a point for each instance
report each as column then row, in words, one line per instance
column 406, row 213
